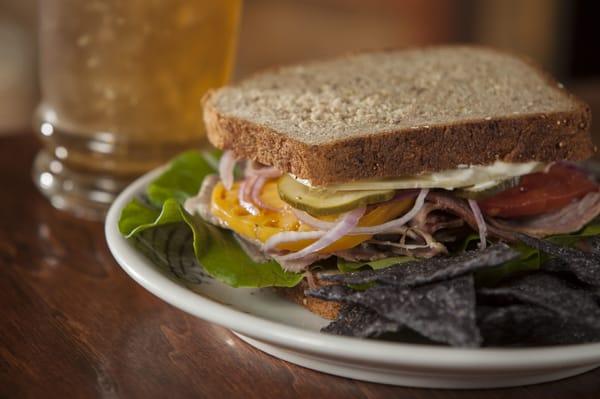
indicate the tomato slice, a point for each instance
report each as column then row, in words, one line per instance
column 539, row 193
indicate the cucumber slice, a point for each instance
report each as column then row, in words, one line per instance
column 482, row 191
column 326, row 202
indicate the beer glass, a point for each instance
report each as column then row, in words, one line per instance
column 122, row 82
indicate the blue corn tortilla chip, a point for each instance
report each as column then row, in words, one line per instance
column 584, row 265
column 359, row 321
column 593, row 243
column 528, row 325
column 430, row 270
column 443, row 312
column 564, row 300
column 436, row 299
column 362, row 322
column 556, row 265
column 337, row 293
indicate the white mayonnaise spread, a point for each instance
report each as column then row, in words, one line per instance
column 475, row 177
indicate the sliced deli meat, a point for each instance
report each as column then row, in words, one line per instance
column 566, row 220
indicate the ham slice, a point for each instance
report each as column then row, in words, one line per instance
column 459, row 207
column 569, row 219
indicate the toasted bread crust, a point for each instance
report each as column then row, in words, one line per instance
column 326, row 309
column 543, row 137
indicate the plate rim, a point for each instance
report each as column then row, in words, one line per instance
column 396, row 354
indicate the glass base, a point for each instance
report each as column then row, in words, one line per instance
column 85, row 195
column 83, row 172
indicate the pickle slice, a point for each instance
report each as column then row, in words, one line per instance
column 478, row 194
column 327, row 202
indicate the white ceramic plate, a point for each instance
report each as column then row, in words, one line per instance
column 290, row 332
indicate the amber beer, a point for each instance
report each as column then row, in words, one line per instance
column 122, row 82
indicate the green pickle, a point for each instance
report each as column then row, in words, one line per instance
column 326, row 202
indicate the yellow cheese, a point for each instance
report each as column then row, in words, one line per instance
column 260, row 227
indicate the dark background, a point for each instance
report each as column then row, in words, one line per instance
column 561, row 35
column 584, row 59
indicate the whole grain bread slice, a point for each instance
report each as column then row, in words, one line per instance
column 401, row 112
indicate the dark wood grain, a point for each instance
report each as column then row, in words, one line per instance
column 74, row 325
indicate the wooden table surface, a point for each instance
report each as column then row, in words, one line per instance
column 73, row 324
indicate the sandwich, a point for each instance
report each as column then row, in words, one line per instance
column 382, row 158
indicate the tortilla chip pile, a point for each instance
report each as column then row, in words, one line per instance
column 437, row 299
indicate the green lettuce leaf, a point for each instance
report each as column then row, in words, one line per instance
column 346, row 266
column 183, row 177
column 531, row 258
column 221, row 256
column 592, row 229
column 216, row 250
column 468, row 242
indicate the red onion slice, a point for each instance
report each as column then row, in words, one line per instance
column 269, row 172
column 298, row 265
column 244, row 193
column 255, row 195
column 399, row 244
column 481, row 226
column 312, row 221
column 393, row 225
column 290, row 236
column 226, row 166
column 310, row 279
column 346, row 223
